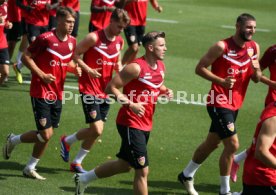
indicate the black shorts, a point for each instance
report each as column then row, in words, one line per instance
column 223, row 121
column 134, row 34
column 76, row 25
column 34, row 31
column 4, row 56
column 258, row 190
column 94, row 109
column 15, row 33
column 24, row 27
column 133, row 146
column 46, row 113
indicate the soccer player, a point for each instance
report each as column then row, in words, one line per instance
column 142, row 82
column 234, row 62
column 101, row 55
column 268, row 60
column 259, row 176
column 48, row 58
column 75, row 5
column 36, row 18
column 137, row 11
column 14, row 34
column 4, row 54
column 100, row 14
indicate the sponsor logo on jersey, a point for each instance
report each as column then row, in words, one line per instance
column 104, row 62
column 43, row 122
column 70, row 45
column 231, row 126
column 141, row 160
column 55, row 44
column 250, row 52
column 93, row 114
column 236, row 71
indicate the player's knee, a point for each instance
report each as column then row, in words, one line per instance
column 44, row 138
column 134, row 48
column 96, row 131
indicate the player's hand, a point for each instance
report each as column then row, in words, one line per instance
column 229, row 82
column 8, row 25
column 48, row 78
column 159, row 9
column 95, row 72
column 78, row 71
column 169, row 94
column 137, row 108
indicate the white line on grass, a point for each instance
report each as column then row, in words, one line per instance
column 173, row 100
column 148, row 19
column 257, row 29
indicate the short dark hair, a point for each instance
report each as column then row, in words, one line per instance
column 120, row 15
column 245, row 17
column 63, row 12
column 152, row 36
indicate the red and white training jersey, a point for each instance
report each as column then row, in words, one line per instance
column 137, row 11
column 235, row 62
column 4, row 14
column 74, row 4
column 39, row 16
column 105, row 55
column 269, row 60
column 146, row 89
column 14, row 12
column 254, row 171
column 101, row 19
column 52, row 56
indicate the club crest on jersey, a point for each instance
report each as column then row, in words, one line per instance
column 118, row 46
column 231, row 126
column 93, row 114
column 43, row 122
column 70, row 45
column 250, row 52
column 141, row 160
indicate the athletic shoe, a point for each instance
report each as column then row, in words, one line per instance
column 188, row 183
column 77, row 168
column 234, row 169
column 31, row 173
column 8, row 147
column 80, row 186
column 17, row 74
column 65, row 149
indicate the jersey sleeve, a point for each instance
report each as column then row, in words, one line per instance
column 37, row 46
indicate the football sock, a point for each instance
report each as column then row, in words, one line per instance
column 80, row 156
column 18, row 60
column 224, row 184
column 88, row 176
column 191, row 169
column 240, row 156
column 16, row 140
column 32, row 163
column 70, row 139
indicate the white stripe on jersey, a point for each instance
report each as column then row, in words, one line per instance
column 150, row 83
column 106, row 54
column 59, row 55
column 235, row 61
